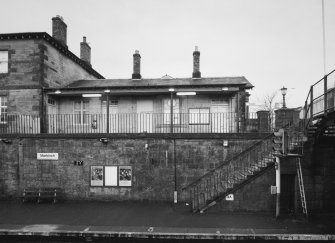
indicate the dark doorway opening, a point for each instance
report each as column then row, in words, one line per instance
column 287, row 194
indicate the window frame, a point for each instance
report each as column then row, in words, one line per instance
column 199, row 119
column 167, row 112
column 3, row 109
column 6, row 71
column 81, row 111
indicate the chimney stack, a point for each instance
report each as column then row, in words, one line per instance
column 137, row 66
column 196, row 64
column 85, row 51
column 59, row 30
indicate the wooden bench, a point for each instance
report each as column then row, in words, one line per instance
column 42, row 194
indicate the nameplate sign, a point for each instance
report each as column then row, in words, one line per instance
column 230, row 197
column 47, row 156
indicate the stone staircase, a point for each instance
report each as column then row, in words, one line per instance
column 230, row 176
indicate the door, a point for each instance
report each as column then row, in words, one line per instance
column 145, row 109
column 221, row 119
column 287, row 193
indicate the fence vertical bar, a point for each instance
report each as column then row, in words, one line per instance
column 325, row 89
column 311, row 103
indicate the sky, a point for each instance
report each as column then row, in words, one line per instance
column 273, row 43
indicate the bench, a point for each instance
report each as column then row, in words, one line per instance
column 42, row 194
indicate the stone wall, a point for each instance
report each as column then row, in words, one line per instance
column 151, row 160
column 152, row 165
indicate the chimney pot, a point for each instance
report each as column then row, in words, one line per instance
column 85, row 51
column 196, row 64
column 137, row 65
column 59, row 29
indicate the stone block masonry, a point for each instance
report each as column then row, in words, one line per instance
column 152, row 170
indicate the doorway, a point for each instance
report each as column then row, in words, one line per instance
column 287, row 194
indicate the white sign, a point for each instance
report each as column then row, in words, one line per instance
column 47, row 156
column 230, row 197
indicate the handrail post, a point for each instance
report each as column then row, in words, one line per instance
column 171, row 113
column 325, row 95
column 311, row 103
column 107, row 111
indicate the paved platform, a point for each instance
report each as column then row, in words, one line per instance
column 124, row 220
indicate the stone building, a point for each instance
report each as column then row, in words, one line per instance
column 33, row 61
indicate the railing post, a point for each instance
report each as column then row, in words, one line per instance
column 311, row 103
column 107, row 111
column 325, row 95
column 171, row 113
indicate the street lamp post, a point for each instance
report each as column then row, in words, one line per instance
column 283, row 92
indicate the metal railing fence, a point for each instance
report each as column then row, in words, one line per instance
column 320, row 98
column 136, row 123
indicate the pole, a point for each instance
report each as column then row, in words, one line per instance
column 171, row 113
column 278, row 187
column 107, row 111
column 175, row 196
column 324, row 38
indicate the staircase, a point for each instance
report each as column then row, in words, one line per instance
column 228, row 177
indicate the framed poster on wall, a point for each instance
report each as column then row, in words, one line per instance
column 125, row 176
column 97, row 173
column 110, row 175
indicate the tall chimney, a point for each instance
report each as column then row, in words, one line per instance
column 85, row 51
column 59, row 30
column 137, row 66
column 196, row 64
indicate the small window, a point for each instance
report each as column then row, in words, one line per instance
column 3, row 61
column 51, row 101
column 3, row 109
column 199, row 115
column 80, row 110
column 167, row 111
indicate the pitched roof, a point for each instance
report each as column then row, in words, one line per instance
column 55, row 43
column 159, row 83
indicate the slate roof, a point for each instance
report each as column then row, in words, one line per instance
column 159, row 83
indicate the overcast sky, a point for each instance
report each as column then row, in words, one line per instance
column 273, row 43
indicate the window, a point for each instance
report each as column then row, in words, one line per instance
column 81, row 112
column 167, row 111
column 111, row 175
column 3, row 109
column 3, row 61
column 199, row 115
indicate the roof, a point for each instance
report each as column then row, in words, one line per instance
column 55, row 43
column 159, row 83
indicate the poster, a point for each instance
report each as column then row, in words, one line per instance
column 125, row 176
column 110, row 175
column 97, row 173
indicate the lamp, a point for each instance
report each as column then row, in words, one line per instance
column 58, row 91
column 107, row 91
column 283, row 92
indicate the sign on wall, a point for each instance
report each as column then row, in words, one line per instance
column 97, row 173
column 230, row 197
column 111, row 176
column 47, row 156
column 125, row 175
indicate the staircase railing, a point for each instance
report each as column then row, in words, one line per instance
column 216, row 182
column 320, row 98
